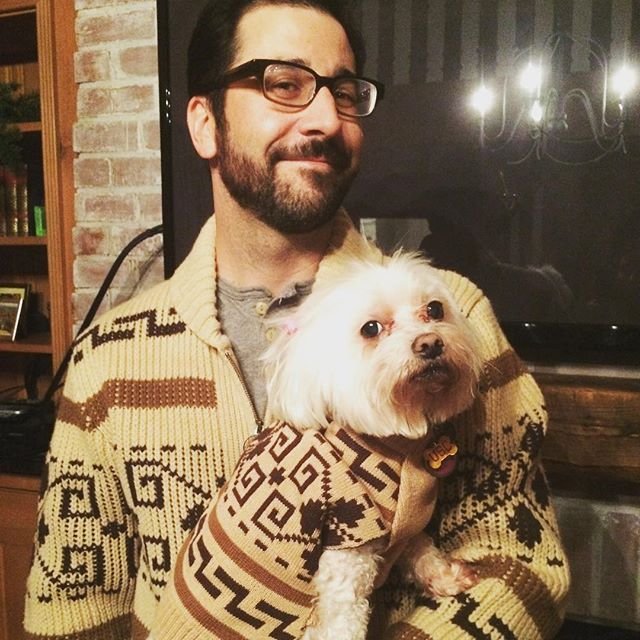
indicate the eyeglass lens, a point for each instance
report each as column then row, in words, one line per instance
column 291, row 85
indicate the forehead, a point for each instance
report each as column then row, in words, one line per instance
column 301, row 34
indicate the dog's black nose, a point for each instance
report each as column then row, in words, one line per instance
column 428, row 346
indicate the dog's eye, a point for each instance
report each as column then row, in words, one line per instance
column 435, row 310
column 371, row 329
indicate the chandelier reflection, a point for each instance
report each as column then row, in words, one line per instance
column 547, row 111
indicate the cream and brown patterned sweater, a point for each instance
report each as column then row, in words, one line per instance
column 153, row 419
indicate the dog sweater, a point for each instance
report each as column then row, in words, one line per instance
column 154, row 416
column 293, row 494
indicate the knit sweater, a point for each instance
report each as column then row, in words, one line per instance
column 153, row 419
column 292, row 495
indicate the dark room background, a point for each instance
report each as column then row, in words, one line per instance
column 554, row 243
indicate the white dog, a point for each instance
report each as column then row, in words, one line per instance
column 385, row 352
column 343, row 483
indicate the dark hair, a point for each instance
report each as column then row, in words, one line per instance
column 213, row 43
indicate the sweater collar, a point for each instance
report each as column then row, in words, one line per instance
column 193, row 285
column 345, row 244
column 193, row 288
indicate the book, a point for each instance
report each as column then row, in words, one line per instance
column 22, row 201
column 31, row 83
column 39, row 221
column 11, row 201
column 16, row 201
column 3, row 207
column 26, row 75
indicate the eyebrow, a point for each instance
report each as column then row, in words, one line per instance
column 342, row 71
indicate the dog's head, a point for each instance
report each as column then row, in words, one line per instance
column 382, row 348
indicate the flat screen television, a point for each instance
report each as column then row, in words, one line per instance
column 556, row 246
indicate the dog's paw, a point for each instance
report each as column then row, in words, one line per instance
column 433, row 570
column 451, row 578
column 344, row 633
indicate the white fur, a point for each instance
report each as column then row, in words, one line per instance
column 322, row 369
column 344, row 581
column 326, row 371
column 425, row 565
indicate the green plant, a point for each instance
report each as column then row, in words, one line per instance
column 14, row 107
column 10, row 148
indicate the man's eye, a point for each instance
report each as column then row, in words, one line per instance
column 284, row 87
column 371, row 329
column 344, row 97
column 435, row 310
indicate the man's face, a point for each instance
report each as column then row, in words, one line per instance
column 291, row 167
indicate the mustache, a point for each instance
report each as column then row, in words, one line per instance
column 330, row 149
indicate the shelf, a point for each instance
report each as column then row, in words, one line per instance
column 28, row 127
column 23, row 241
column 36, row 343
column 19, row 482
column 40, row 36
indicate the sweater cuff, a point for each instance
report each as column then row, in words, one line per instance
column 172, row 620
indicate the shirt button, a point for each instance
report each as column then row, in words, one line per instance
column 271, row 333
column 261, row 308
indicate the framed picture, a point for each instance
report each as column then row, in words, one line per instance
column 13, row 305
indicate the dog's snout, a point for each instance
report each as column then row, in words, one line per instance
column 428, row 346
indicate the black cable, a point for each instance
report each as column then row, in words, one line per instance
column 17, row 387
column 104, row 287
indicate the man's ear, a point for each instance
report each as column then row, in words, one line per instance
column 202, row 127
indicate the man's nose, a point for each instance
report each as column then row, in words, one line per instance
column 321, row 115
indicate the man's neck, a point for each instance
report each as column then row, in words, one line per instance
column 251, row 254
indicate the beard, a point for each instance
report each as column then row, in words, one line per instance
column 294, row 205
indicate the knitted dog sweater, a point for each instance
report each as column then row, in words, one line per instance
column 293, row 494
column 154, row 417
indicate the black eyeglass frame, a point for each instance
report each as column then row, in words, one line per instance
column 257, row 67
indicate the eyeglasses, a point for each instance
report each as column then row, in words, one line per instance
column 294, row 85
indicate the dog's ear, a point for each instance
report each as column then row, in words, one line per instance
column 290, row 326
column 293, row 362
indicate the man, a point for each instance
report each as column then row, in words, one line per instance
column 164, row 390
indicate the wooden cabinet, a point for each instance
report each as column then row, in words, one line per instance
column 593, row 442
column 43, row 263
column 18, row 502
column 39, row 33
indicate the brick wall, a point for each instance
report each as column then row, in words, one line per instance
column 117, row 145
column 118, row 195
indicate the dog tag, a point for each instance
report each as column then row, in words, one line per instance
column 440, row 456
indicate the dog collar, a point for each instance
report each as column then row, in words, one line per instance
column 440, row 456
